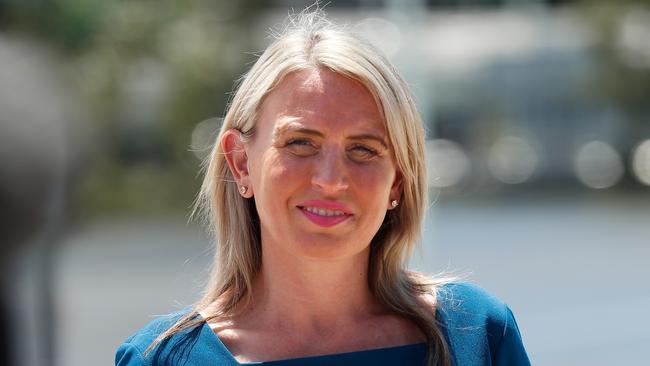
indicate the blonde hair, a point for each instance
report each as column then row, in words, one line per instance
column 311, row 41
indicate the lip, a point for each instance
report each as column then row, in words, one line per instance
column 325, row 221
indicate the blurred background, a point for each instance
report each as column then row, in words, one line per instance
column 538, row 143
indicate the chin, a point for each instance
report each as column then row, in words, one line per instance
column 329, row 249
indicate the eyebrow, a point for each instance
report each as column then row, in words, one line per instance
column 296, row 127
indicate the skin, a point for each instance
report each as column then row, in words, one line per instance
column 319, row 136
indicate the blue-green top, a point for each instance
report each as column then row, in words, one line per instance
column 479, row 328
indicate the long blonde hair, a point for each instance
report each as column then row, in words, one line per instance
column 311, row 41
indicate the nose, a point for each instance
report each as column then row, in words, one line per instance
column 329, row 173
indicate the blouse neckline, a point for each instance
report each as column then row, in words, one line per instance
column 224, row 350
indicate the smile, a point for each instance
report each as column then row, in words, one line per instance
column 325, row 213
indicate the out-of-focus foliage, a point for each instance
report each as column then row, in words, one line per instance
column 148, row 72
column 623, row 28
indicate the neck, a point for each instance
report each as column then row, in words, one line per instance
column 298, row 294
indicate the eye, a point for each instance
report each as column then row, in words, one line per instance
column 301, row 147
column 362, row 153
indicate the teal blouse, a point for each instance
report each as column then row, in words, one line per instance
column 479, row 328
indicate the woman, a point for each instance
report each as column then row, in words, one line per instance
column 316, row 191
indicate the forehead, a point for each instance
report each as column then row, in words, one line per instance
column 322, row 97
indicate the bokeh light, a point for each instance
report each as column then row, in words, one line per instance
column 512, row 160
column 447, row 163
column 204, row 135
column 598, row 165
column 641, row 162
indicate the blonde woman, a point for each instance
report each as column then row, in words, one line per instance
column 316, row 190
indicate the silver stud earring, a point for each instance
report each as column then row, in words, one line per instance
column 243, row 190
column 394, row 203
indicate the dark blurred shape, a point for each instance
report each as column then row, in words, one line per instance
column 33, row 117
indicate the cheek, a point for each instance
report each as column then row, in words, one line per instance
column 375, row 180
column 275, row 176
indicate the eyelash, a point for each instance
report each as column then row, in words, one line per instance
column 365, row 149
column 301, row 142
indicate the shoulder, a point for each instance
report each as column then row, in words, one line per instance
column 464, row 299
column 472, row 318
column 133, row 351
column 466, row 305
column 142, row 338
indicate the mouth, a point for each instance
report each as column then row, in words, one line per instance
column 324, row 217
column 323, row 212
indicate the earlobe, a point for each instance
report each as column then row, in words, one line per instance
column 395, row 192
column 237, row 158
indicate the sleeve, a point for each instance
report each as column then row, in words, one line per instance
column 510, row 351
column 128, row 355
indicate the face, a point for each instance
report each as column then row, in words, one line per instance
column 319, row 166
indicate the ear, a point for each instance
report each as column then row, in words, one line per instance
column 237, row 158
column 395, row 191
